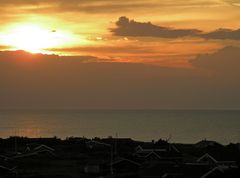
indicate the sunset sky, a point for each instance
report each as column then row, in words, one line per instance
column 138, row 54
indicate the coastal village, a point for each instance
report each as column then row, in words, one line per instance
column 74, row 157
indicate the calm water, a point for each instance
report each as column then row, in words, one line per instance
column 181, row 126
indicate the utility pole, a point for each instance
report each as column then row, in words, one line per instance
column 115, row 144
column 15, row 141
column 92, row 142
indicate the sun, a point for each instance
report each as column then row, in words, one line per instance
column 33, row 38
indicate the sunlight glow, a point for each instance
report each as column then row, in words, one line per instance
column 34, row 39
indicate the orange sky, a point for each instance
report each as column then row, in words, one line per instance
column 138, row 54
column 81, row 27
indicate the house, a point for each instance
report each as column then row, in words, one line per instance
column 41, row 148
column 123, row 165
column 194, row 170
column 97, row 144
column 45, row 153
column 96, row 167
column 3, row 158
column 121, row 141
column 158, row 153
column 92, row 169
column 121, row 146
column 152, row 157
column 146, row 149
column 6, row 172
column 227, row 163
column 41, row 151
column 206, row 143
column 159, row 169
column 222, row 172
column 142, row 152
column 36, row 154
column 207, row 159
column 172, row 175
column 38, row 148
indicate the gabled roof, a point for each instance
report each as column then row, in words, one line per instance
column 171, row 175
column 174, row 148
column 116, row 139
column 150, row 149
column 5, row 170
column 35, row 153
column 124, row 159
column 24, row 155
column 220, row 169
column 207, row 156
column 194, row 169
column 206, row 143
column 138, row 148
column 94, row 142
column 153, row 153
column 4, row 158
column 43, row 147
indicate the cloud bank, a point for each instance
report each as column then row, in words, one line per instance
column 225, row 63
column 126, row 27
column 49, row 81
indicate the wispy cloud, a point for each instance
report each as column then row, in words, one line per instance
column 223, row 34
column 96, row 6
column 13, row 56
column 233, row 2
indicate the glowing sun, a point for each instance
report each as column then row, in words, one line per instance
column 34, row 39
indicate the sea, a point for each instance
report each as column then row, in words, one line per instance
column 178, row 126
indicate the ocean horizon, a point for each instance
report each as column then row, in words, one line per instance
column 182, row 126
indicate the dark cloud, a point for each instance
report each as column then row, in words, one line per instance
column 13, row 56
column 126, row 27
column 107, row 49
column 225, row 61
column 50, row 81
column 223, row 34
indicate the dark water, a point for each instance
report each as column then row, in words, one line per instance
column 180, row 126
